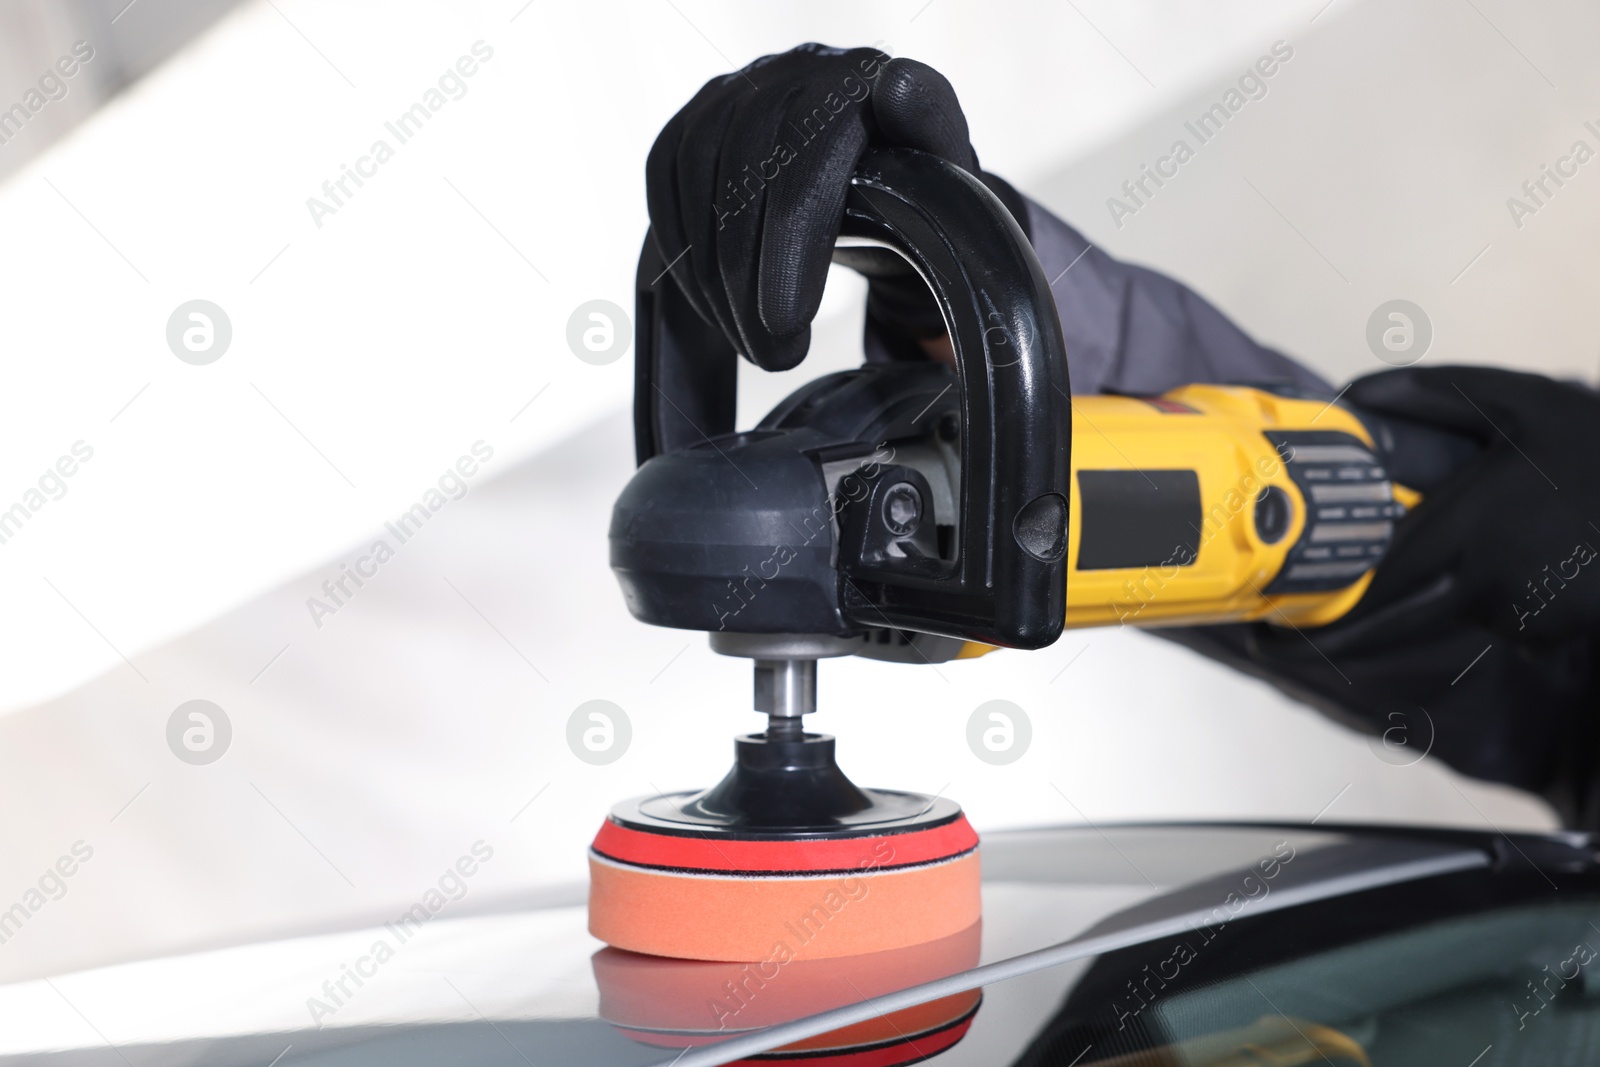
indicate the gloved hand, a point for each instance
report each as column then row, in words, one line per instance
column 747, row 184
column 1478, row 641
column 1511, row 540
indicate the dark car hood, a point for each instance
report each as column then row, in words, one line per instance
column 532, row 985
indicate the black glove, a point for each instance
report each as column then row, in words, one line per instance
column 1478, row 641
column 1511, row 540
column 747, row 184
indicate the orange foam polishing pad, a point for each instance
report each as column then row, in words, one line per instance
column 658, row 1000
column 733, row 898
column 893, row 1039
column 909, row 1035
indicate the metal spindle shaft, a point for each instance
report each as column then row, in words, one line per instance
column 785, row 689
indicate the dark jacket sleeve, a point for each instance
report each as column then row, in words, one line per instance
column 1131, row 330
column 1520, row 716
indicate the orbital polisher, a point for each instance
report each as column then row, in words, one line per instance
column 916, row 512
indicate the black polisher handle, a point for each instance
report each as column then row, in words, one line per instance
column 1009, row 586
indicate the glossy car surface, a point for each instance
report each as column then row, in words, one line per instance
column 1198, row 944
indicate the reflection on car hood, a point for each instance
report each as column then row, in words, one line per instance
column 465, row 989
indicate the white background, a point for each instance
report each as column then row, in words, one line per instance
column 369, row 353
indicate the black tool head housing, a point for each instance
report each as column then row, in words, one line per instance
column 896, row 497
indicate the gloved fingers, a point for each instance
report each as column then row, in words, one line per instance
column 1490, row 530
column 698, row 160
column 752, row 153
column 662, row 196
column 675, row 165
column 747, row 183
column 1479, row 402
column 1428, row 545
column 917, row 107
column 805, row 209
column 1393, row 622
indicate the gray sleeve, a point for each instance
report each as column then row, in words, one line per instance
column 1131, row 330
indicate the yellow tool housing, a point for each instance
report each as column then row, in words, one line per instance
column 1236, row 443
